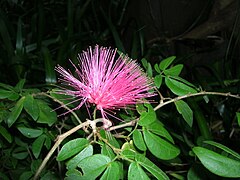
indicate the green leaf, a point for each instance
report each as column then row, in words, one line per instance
column 93, row 166
column 238, row 118
column 5, row 134
column 65, row 99
column 178, row 87
column 4, row 32
column 71, row 148
column 147, row 118
column 107, row 151
column 156, row 67
column 164, row 64
column 149, row 70
column 218, row 164
column 3, row 176
column 111, row 139
column 29, row 132
column 199, row 172
column 19, row 86
column 73, row 174
column 144, row 63
column 26, row 175
column 158, row 80
column 224, row 148
column 5, row 93
column 31, row 107
column 15, row 112
column 9, row 94
column 183, row 81
column 46, row 114
column 37, row 145
column 112, row 172
column 35, row 165
column 49, row 66
column 135, row 172
column 20, row 153
column 160, row 147
column 150, row 167
column 158, row 128
column 146, row 163
column 138, row 140
column 19, row 38
column 174, row 71
column 86, row 152
column 112, row 27
column 184, row 109
column 50, row 175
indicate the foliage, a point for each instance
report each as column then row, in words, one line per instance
column 185, row 133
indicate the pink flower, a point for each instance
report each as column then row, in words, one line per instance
column 106, row 81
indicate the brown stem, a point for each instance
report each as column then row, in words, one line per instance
column 60, row 138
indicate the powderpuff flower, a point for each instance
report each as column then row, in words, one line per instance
column 105, row 80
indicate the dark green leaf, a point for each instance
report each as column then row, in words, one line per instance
column 93, row 166
column 65, row 99
column 29, row 132
column 19, row 86
column 3, row 176
column 86, row 152
column 150, row 167
column 107, row 151
column 111, row 139
column 37, row 145
column 224, row 148
column 174, row 71
column 19, row 39
column 238, row 118
column 20, row 153
column 5, row 93
column 146, row 163
column 26, row 175
column 31, row 107
column 112, row 172
column 50, row 176
column 164, row 64
column 138, row 140
column 178, row 87
column 135, row 172
column 49, row 66
column 6, row 38
column 217, row 163
column 15, row 112
column 35, row 165
column 183, row 81
column 158, row 80
column 147, row 118
column 158, row 128
column 71, row 148
column 46, row 114
column 184, row 109
column 48, row 142
column 149, row 70
column 114, row 31
column 160, row 147
column 5, row 134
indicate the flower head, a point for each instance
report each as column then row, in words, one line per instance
column 106, row 81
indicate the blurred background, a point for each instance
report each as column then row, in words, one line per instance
column 37, row 35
